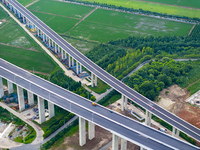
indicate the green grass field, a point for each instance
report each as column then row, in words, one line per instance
column 25, row 2
column 57, row 23
column 60, row 8
column 186, row 3
column 171, row 10
column 105, row 25
column 3, row 14
column 27, row 59
column 13, row 34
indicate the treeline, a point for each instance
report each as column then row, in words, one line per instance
column 122, row 56
column 196, row 32
column 170, row 44
column 156, row 75
column 137, row 11
column 105, row 54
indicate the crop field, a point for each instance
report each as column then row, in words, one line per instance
column 171, row 10
column 186, row 3
column 13, row 34
column 27, row 59
column 25, row 2
column 57, row 23
column 105, row 25
column 61, row 8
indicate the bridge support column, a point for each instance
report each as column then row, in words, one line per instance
column 69, row 59
column 72, row 61
column 49, row 43
column 43, row 36
column 20, row 94
column 77, row 68
column 56, row 48
column 41, row 110
column 148, row 118
column 92, row 79
column 10, row 87
column 122, row 107
column 115, row 144
column 62, row 55
column 80, row 68
column 123, row 144
column 175, row 132
column 51, row 109
column 38, row 32
column 1, row 88
column 95, row 80
column 65, row 55
column 82, row 133
column 125, row 103
column 91, row 130
column 30, row 98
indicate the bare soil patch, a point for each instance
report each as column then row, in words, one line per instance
column 174, row 102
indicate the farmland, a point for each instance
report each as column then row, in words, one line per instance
column 160, row 8
column 60, row 8
column 25, row 2
column 15, row 35
column 57, row 23
column 105, row 25
column 14, row 45
column 27, row 59
column 3, row 14
column 186, row 3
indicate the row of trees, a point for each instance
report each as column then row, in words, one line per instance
column 137, row 11
column 196, row 32
column 153, row 77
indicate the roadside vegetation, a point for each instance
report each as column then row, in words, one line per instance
column 8, row 117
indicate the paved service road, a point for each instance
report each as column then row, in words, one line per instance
column 115, row 122
column 109, row 79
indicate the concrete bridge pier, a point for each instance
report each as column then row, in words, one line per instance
column 10, row 87
column 69, row 59
column 80, row 68
column 148, row 118
column 20, row 94
column 30, row 98
column 82, row 132
column 56, row 48
column 51, row 109
column 62, row 55
column 1, row 88
column 115, row 140
column 41, row 110
column 77, row 68
column 123, row 144
column 124, row 103
column 175, row 132
column 72, row 61
column 91, row 130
